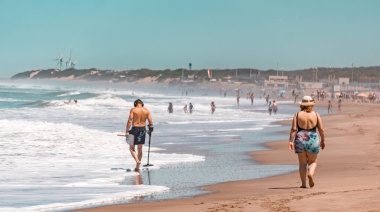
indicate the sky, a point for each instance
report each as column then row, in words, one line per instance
column 170, row 34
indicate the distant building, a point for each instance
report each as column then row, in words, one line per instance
column 276, row 82
column 344, row 81
column 312, row 85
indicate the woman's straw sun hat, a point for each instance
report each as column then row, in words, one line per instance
column 307, row 101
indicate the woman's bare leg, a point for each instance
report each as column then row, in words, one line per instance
column 312, row 162
column 302, row 161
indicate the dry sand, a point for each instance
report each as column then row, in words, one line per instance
column 347, row 177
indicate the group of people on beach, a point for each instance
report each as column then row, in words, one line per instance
column 306, row 135
column 273, row 107
column 190, row 109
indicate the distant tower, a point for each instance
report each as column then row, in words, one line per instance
column 190, row 66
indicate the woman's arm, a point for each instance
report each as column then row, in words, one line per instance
column 293, row 131
column 321, row 131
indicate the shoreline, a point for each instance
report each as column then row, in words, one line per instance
column 347, row 172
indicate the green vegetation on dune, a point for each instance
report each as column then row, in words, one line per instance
column 359, row 74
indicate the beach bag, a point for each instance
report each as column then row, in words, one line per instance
column 130, row 139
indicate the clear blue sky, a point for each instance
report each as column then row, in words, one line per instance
column 160, row 34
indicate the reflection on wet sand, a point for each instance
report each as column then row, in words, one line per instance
column 137, row 180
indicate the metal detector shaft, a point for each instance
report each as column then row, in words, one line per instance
column 148, row 164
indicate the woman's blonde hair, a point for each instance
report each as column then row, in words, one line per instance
column 307, row 108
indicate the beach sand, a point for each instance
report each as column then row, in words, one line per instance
column 347, row 177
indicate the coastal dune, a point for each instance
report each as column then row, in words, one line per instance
column 347, row 177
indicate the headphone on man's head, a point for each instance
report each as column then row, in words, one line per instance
column 137, row 101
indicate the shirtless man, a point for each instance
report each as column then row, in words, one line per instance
column 275, row 107
column 137, row 119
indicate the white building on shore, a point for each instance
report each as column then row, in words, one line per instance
column 276, row 82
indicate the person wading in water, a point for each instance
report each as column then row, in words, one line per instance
column 137, row 119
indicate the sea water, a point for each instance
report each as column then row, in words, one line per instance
column 57, row 156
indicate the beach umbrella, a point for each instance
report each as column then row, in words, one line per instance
column 362, row 95
column 282, row 91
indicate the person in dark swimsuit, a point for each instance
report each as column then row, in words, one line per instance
column 213, row 107
column 191, row 108
column 270, row 108
column 138, row 134
column 305, row 141
column 170, row 107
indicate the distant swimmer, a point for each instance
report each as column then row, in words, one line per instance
column 252, row 96
column 237, row 96
column 275, row 107
column 137, row 119
column 270, row 108
column 191, row 108
column 170, row 107
column 185, row 109
column 70, row 102
column 267, row 98
column 213, row 107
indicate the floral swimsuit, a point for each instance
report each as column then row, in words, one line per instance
column 307, row 139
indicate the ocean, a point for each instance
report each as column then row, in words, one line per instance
column 58, row 157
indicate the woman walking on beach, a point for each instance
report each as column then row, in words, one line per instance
column 304, row 139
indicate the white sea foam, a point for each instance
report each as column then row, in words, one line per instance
column 11, row 100
column 53, row 155
column 72, row 93
column 107, row 199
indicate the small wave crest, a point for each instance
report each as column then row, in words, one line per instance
column 72, row 93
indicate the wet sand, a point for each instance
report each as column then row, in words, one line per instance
column 347, row 177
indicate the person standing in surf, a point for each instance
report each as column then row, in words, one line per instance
column 170, row 107
column 270, row 108
column 275, row 107
column 213, row 107
column 137, row 120
column 191, row 108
